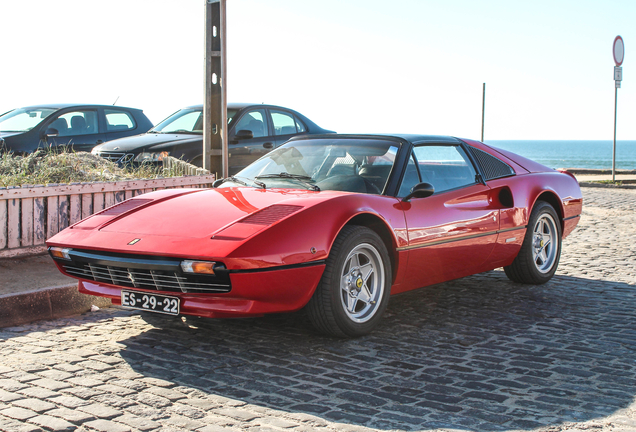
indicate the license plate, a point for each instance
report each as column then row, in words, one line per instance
column 150, row 302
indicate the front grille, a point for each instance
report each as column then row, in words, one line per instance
column 161, row 274
column 492, row 167
column 121, row 158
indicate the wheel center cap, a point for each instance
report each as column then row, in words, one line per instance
column 359, row 283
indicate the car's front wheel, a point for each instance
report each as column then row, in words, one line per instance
column 355, row 287
column 540, row 252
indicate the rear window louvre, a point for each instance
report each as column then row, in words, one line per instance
column 492, row 167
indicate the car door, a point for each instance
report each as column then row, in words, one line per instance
column 453, row 232
column 77, row 128
column 286, row 125
column 243, row 149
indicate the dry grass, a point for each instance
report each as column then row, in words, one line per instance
column 59, row 166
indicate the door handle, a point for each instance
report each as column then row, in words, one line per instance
column 268, row 145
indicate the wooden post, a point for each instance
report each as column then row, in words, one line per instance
column 215, row 151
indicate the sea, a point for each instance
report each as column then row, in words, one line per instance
column 573, row 154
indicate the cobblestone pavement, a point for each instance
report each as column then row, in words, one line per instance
column 480, row 353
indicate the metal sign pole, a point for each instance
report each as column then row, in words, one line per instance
column 618, row 51
column 215, row 151
column 614, row 147
column 483, row 112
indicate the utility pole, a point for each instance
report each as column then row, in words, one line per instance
column 483, row 112
column 215, row 147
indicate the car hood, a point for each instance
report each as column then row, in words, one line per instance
column 245, row 228
column 9, row 134
column 200, row 213
column 146, row 141
column 176, row 222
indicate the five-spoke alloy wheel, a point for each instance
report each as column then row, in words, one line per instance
column 362, row 283
column 544, row 243
column 538, row 258
column 354, row 289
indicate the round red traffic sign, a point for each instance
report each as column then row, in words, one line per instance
column 619, row 50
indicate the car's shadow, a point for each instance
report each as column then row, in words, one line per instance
column 479, row 353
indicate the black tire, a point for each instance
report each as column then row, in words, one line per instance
column 538, row 258
column 358, row 272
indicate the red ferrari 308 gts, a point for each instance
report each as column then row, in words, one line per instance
column 332, row 223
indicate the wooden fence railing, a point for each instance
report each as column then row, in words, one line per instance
column 179, row 167
column 29, row 215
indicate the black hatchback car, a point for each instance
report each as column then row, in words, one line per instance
column 253, row 131
column 23, row 130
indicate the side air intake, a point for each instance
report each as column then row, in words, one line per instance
column 124, row 206
column 492, row 167
column 271, row 214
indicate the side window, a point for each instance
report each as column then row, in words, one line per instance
column 254, row 121
column 76, row 123
column 445, row 167
column 300, row 127
column 284, row 123
column 118, row 120
column 410, row 179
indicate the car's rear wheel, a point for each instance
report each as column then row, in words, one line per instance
column 355, row 287
column 540, row 252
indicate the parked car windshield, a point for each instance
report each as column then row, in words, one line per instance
column 23, row 119
column 187, row 120
column 353, row 165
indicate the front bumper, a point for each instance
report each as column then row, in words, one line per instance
column 254, row 293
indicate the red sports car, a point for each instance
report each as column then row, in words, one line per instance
column 332, row 223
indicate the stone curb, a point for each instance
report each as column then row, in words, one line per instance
column 592, row 171
column 47, row 303
column 606, row 185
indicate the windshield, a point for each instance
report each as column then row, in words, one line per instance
column 187, row 120
column 23, row 119
column 183, row 121
column 352, row 165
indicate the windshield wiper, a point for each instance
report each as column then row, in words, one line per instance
column 300, row 178
column 182, row 131
column 241, row 182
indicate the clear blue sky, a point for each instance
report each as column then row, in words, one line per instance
column 350, row 65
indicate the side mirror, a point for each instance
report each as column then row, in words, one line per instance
column 51, row 133
column 420, row 190
column 217, row 182
column 244, row 134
